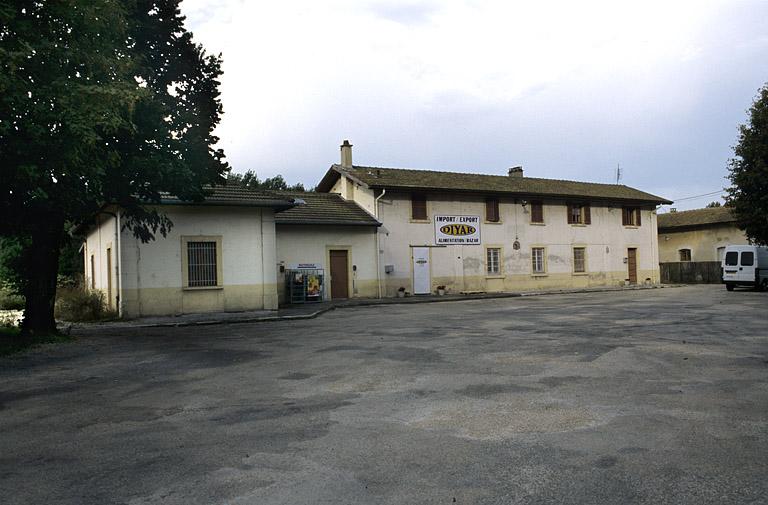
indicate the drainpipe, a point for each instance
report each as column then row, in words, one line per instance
column 378, row 254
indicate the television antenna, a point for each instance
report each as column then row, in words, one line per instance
column 618, row 173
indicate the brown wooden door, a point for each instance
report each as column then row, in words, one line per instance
column 632, row 265
column 339, row 275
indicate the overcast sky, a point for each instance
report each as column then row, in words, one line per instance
column 566, row 89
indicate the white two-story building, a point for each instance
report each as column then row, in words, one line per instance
column 473, row 232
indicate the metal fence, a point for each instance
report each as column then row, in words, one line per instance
column 691, row 272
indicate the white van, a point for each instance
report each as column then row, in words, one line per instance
column 745, row 265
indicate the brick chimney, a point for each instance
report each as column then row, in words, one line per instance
column 515, row 171
column 346, row 154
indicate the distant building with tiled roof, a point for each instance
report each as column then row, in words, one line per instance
column 697, row 235
column 697, row 218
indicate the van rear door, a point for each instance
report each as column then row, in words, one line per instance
column 739, row 265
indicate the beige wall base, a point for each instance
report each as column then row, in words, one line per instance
column 514, row 283
column 167, row 301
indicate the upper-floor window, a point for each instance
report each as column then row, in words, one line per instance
column 537, row 211
column 630, row 216
column 419, row 206
column 579, row 213
column 685, row 255
column 492, row 210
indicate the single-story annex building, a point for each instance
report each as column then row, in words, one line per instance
column 225, row 253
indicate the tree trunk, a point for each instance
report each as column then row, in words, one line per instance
column 41, row 263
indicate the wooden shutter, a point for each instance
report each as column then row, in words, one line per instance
column 537, row 212
column 418, row 206
column 637, row 221
column 569, row 211
column 624, row 216
column 492, row 210
column 587, row 214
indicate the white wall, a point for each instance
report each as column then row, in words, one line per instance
column 102, row 236
column 310, row 244
column 152, row 272
column 464, row 267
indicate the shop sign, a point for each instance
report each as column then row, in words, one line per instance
column 304, row 266
column 457, row 230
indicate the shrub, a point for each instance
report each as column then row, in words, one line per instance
column 9, row 299
column 81, row 304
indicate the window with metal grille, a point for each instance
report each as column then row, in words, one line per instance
column 492, row 210
column 493, row 255
column 201, row 264
column 419, row 206
column 537, row 211
column 579, row 263
column 685, row 255
column 537, row 260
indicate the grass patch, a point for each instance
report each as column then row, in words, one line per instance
column 9, row 343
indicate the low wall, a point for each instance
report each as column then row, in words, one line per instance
column 691, row 272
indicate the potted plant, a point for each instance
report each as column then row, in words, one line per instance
column 440, row 290
column 401, row 292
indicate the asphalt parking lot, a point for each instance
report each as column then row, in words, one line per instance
column 654, row 396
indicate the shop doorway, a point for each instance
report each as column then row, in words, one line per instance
column 339, row 274
column 632, row 265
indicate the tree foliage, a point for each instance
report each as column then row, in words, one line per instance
column 101, row 102
column 748, row 194
column 712, row 205
column 251, row 180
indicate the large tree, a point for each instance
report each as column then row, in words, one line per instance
column 101, row 101
column 748, row 194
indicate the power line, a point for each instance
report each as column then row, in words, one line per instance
column 700, row 196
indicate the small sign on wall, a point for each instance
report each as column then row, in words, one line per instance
column 457, row 230
column 305, row 266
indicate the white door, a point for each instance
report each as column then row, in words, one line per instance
column 422, row 284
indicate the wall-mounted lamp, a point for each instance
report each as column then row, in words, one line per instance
column 524, row 203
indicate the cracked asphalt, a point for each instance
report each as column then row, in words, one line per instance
column 639, row 397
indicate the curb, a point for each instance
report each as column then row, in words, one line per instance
column 367, row 303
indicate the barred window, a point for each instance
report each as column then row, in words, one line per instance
column 579, row 263
column 201, row 264
column 537, row 260
column 493, row 255
column 685, row 255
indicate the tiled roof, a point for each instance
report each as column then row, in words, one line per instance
column 235, row 196
column 695, row 218
column 410, row 179
column 324, row 208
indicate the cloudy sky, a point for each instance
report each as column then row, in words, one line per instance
column 566, row 89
